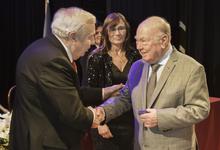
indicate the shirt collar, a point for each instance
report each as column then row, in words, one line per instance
column 166, row 56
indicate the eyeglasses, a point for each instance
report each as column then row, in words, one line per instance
column 114, row 29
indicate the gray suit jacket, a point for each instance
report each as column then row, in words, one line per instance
column 180, row 97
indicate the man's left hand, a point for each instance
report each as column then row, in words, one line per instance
column 149, row 119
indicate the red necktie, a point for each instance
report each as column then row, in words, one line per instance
column 74, row 66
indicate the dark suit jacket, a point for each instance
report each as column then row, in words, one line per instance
column 48, row 111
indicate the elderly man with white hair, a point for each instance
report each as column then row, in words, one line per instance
column 48, row 112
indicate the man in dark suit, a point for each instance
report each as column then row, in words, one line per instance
column 167, row 100
column 48, row 112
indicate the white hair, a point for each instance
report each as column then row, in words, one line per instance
column 70, row 19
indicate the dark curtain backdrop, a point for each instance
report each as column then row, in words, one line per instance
column 22, row 23
column 202, row 38
column 138, row 10
column 195, row 26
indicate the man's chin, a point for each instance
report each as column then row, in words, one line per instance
column 147, row 60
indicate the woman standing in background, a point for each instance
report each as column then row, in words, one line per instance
column 109, row 65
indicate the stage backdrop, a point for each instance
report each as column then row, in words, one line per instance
column 195, row 26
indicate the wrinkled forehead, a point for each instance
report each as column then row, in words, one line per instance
column 141, row 32
column 145, row 32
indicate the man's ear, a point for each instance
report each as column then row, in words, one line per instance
column 73, row 36
column 164, row 40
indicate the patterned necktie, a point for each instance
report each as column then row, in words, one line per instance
column 152, row 81
column 74, row 66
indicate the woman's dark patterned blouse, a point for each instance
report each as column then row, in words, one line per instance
column 102, row 73
column 100, row 67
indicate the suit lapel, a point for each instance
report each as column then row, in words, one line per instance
column 164, row 76
column 60, row 47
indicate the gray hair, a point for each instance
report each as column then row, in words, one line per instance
column 70, row 19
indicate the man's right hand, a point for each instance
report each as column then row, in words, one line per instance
column 112, row 91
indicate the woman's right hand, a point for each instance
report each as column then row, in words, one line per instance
column 104, row 131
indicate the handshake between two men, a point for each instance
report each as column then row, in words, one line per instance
column 99, row 116
column 147, row 116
